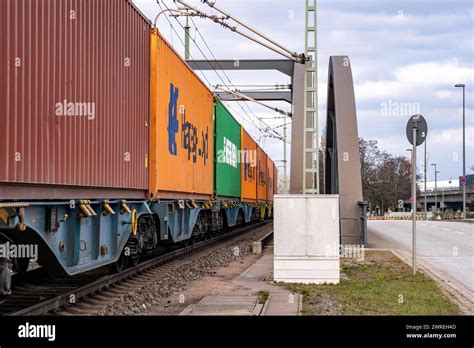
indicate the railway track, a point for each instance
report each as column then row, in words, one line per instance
column 36, row 293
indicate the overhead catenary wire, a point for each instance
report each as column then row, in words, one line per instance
column 179, row 37
column 269, row 129
column 173, row 29
column 275, row 86
column 223, row 71
column 272, row 143
column 226, row 76
column 240, row 95
column 218, row 75
column 204, row 75
column 273, row 42
column 300, row 58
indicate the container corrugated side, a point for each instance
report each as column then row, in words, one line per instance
column 275, row 179
column 74, row 79
column 227, row 151
column 261, row 175
column 249, row 167
column 181, row 147
column 270, row 179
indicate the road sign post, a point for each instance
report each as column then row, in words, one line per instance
column 416, row 130
column 413, row 194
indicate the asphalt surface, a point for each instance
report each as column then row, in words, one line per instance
column 446, row 247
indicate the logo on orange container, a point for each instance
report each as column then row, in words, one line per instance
column 173, row 120
column 261, row 174
column 249, row 169
column 189, row 132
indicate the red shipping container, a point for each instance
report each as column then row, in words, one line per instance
column 74, row 99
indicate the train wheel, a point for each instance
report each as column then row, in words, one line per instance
column 5, row 278
column 119, row 265
column 189, row 242
column 20, row 265
column 135, row 259
column 185, row 243
column 240, row 219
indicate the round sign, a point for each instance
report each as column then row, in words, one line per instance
column 417, row 121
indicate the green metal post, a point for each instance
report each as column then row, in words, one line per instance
column 311, row 103
column 186, row 40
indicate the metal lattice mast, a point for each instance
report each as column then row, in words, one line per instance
column 311, row 103
column 187, row 52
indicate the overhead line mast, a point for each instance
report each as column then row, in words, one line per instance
column 310, row 135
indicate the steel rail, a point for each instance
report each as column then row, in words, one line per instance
column 50, row 304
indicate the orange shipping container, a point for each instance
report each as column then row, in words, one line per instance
column 270, row 179
column 181, row 144
column 262, row 175
column 249, row 167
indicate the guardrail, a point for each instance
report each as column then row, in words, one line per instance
column 418, row 217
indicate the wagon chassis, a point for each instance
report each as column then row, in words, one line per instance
column 90, row 285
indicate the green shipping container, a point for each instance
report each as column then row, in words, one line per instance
column 227, row 142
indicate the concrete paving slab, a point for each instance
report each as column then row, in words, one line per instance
column 223, row 305
column 283, row 303
column 256, row 273
column 256, row 278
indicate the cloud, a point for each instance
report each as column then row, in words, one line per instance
column 416, row 81
column 452, row 138
column 434, row 74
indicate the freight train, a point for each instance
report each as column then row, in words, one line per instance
column 110, row 145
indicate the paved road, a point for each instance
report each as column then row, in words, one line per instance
column 446, row 247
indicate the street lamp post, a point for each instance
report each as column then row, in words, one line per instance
column 411, row 161
column 436, row 187
column 424, row 179
column 463, row 86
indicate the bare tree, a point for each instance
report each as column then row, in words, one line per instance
column 385, row 178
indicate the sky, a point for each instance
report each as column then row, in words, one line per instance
column 406, row 57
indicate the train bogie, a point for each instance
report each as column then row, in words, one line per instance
column 73, row 236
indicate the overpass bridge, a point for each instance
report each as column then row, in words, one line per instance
column 447, row 198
